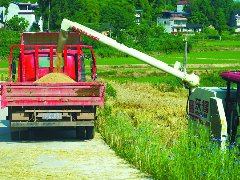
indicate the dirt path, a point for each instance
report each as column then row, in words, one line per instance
column 56, row 154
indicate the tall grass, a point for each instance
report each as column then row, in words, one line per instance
column 147, row 125
column 189, row 157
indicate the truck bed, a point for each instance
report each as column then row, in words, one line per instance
column 51, row 94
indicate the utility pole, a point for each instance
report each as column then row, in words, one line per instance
column 185, row 56
column 49, row 6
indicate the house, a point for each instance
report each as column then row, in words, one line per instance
column 181, row 5
column 235, row 21
column 173, row 22
column 25, row 10
column 138, row 16
column 176, row 21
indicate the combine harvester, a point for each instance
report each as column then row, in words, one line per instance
column 214, row 109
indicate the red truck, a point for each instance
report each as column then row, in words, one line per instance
column 36, row 105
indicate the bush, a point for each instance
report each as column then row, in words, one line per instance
column 6, row 39
column 17, row 24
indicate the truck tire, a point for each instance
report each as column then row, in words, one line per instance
column 90, row 132
column 80, row 132
column 18, row 134
column 14, row 135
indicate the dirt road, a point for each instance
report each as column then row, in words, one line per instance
column 56, row 154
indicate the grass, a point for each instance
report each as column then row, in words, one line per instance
column 4, row 64
column 147, row 125
column 215, row 45
column 189, row 158
column 215, row 57
column 3, row 75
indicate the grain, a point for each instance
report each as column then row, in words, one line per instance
column 55, row 78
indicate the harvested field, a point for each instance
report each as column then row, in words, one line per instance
column 143, row 103
column 55, row 78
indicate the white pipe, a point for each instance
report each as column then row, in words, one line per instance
column 191, row 79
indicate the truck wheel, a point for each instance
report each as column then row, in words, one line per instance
column 80, row 132
column 14, row 135
column 18, row 134
column 90, row 132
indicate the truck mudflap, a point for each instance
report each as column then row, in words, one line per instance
column 52, row 94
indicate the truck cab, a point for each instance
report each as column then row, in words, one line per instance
column 38, row 55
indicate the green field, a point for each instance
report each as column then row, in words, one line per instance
column 216, row 57
column 216, row 45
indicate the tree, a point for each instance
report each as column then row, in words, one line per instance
column 82, row 11
column 5, row 3
column 120, row 15
column 17, row 24
column 89, row 12
column 208, row 12
column 221, row 22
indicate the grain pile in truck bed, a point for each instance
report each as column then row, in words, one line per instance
column 55, row 78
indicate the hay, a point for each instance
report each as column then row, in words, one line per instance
column 55, row 78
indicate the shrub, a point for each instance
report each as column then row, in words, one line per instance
column 6, row 39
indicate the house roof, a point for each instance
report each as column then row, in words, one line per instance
column 21, row 3
column 182, row 2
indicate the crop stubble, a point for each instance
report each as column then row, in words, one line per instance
column 143, row 102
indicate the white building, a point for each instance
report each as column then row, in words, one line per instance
column 181, row 5
column 25, row 10
column 173, row 22
column 176, row 21
column 237, row 19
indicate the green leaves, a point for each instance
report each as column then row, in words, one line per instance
column 17, row 24
column 206, row 12
column 120, row 15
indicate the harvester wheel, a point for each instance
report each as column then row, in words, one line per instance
column 90, row 132
column 80, row 132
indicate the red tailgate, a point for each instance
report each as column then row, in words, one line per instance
column 52, row 94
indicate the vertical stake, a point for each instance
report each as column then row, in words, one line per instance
column 185, row 56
